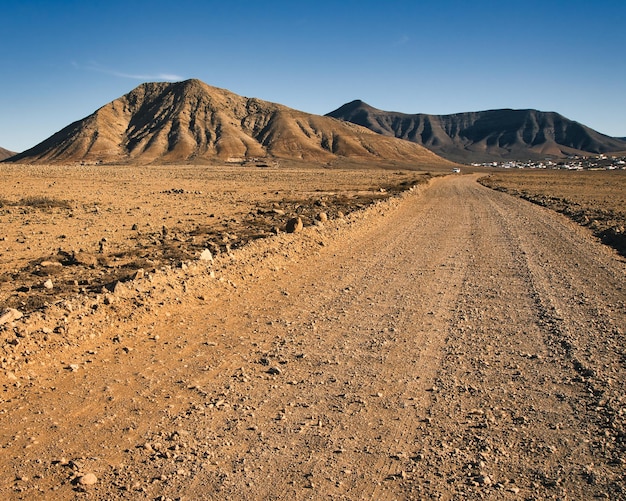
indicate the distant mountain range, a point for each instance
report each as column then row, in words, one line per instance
column 4, row 153
column 191, row 121
column 485, row 135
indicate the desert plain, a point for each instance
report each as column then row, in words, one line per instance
column 423, row 336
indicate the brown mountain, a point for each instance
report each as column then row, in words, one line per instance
column 485, row 135
column 4, row 153
column 191, row 121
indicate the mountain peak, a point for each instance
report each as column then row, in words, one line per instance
column 190, row 121
column 4, row 153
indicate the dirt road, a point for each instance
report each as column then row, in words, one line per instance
column 456, row 344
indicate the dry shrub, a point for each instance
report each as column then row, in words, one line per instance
column 42, row 202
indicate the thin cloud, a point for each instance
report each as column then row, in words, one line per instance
column 170, row 77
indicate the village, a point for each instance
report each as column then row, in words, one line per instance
column 598, row 162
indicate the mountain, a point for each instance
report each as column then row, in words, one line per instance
column 485, row 135
column 191, row 121
column 5, row 153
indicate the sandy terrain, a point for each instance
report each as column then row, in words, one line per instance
column 452, row 343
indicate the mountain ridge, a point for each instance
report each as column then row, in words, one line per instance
column 4, row 153
column 485, row 135
column 191, row 121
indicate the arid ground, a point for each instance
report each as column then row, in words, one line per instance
column 449, row 342
column 596, row 199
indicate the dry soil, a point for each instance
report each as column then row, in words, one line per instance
column 452, row 343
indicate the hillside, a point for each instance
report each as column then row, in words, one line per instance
column 4, row 153
column 190, row 121
column 485, row 135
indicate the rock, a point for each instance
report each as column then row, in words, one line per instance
column 206, row 255
column 48, row 284
column 484, row 480
column 85, row 259
column 323, row 217
column 274, row 371
column 51, row 264
column 294, row 225
column 10, row 315
column 139, row 274
column 113, row 287
column 88, row 479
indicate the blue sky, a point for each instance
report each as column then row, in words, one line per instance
column 62, row 60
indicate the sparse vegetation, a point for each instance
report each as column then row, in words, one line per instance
column 42, row 202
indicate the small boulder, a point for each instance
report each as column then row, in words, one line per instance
column 10, row 315
column 206, row 255
column 294, row 225
column 48, row 284
column 88, row 479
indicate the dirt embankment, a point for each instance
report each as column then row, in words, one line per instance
column 455, row 343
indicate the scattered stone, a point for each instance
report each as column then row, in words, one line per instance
column 484, row 480
column 51, row 264
column 85, row 259
column 135, row 227
column 48, row 284
column 323, row 217
column 139, row 274
column 206, row 255
column 88, row 479
column 113, row 287
column 294, row 225
column 274, row 371
column 10, row 315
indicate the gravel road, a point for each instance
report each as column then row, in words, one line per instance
column 457, row 343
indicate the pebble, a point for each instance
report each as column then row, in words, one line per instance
column 51, row 264
column 48, row 284
column 88, row 479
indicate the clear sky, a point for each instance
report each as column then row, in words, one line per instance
column 61, row 60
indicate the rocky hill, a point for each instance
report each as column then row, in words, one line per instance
column 485, row 135
column 191, row 121
column 4, row 153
